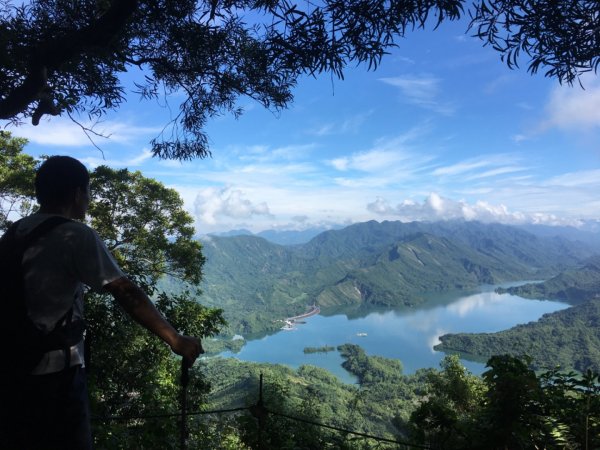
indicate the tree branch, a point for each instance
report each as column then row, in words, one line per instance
column 53, row 53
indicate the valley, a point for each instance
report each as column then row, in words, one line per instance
column 397, row 302
column 406, row 268
column 393, row 264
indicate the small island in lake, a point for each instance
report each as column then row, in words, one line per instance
column 323, row 349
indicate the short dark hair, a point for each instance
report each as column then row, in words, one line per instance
column 57, row 179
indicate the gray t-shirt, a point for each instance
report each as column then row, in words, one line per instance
column 59, row 264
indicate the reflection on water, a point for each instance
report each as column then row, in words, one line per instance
column 468, row 304
column 408, row 334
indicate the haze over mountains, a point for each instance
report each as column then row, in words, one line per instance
column 283, row 237
column 389, row 264
column 588, row 232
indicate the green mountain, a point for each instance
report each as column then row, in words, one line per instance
column 258, row 283
column 572, row 286
column 570, row 337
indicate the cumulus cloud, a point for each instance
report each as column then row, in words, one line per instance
column 435, row 207
column 211, row 204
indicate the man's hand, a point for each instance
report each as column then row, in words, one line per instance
column 188, row 347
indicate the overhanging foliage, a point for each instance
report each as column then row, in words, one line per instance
column 63, row 57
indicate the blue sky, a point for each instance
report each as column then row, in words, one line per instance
column 443, row 129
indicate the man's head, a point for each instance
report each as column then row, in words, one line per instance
column 62, row 183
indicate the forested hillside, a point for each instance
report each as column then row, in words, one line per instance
column 390, row 263
column 570, row 337
column 509, row 407
column 373, row 406
column 572, row 286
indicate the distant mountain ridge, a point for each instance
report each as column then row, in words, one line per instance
column 387, row 263
column 282, row 237
column 588, row 233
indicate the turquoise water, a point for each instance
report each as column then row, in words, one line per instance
column 407, row 334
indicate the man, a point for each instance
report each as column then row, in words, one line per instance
column 52, row 408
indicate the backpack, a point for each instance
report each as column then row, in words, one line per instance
column 23, row 343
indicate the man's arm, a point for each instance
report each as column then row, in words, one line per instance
column 137, row 304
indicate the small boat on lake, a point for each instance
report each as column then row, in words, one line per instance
column 361, row 334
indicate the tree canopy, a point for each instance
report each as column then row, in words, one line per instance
column 17, row 171
column 132, row 372
column 561, row 36
column 64, row 57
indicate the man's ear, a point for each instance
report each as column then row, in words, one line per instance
column 79, row 193
column 76, row 195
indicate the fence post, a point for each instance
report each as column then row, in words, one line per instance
column 259, row 412
column 260, row 406
column 185, row 379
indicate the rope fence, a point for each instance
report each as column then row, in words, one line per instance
column 259, row 411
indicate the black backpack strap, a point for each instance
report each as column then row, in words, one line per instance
column 39, row 231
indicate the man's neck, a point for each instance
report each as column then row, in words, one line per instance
column 61, row 211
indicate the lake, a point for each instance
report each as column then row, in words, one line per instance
column 407, row 334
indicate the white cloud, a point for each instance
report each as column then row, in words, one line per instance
column 404, row 59
column 498, row 83
column 349, row 125
column 265, row 154
column 376, row 160
column 435, row 207
column 421, row 90
column 63, row 132
column 388, row 159
column 132, row 161
column 471, row 169
column 340, row 164
column 573, row 108
column 495, row 172
column 323, row 129
column 211, row 204
column 583, row 178
column 459, row 168
column 524, row 105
